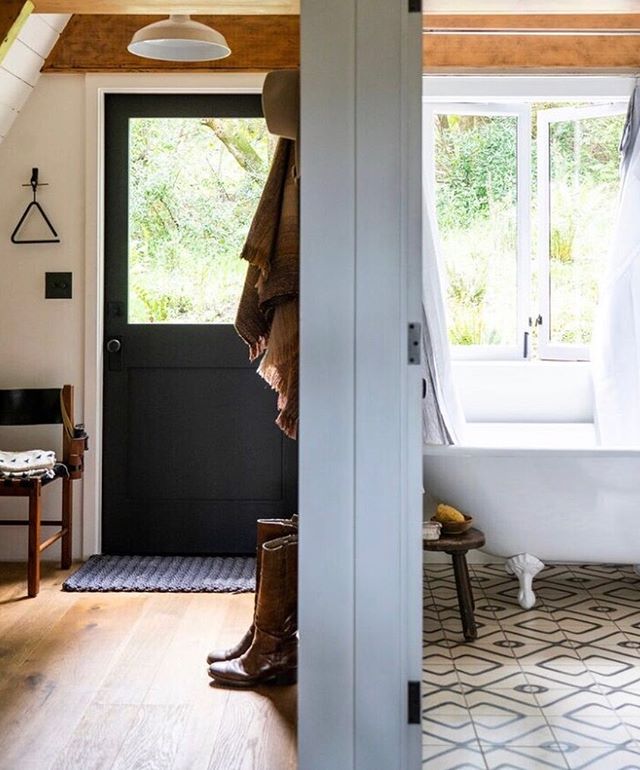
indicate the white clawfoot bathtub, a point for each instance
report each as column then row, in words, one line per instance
column 537, row 505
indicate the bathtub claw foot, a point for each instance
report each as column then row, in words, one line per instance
column 525, row 567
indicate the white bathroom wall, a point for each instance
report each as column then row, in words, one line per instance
column 41, row 341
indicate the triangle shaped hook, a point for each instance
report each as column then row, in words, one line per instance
column 34, row 204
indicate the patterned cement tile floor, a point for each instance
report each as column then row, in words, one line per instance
column 557, row 686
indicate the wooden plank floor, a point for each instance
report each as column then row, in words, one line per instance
column 97, row 681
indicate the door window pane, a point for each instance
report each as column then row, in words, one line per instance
column 194, row 184
column 476, row 205
column 583, row 194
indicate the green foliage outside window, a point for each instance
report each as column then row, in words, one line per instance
column 476, row 181
column 194, row 185
column 584, row 190
column 476, row 200
column 474, row 168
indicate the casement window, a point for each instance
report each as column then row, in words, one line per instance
column 524, row 194
column 578, row 186
column 480, row 168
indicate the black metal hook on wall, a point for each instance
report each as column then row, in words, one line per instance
column 34, row 184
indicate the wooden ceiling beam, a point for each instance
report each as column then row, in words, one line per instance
column 458, row 54
column 527, row 42
column 521, row 7
column 540, row 21
column 443, row 8
column 260, row 43
column 164, row 7
column 13, row 15
column 99, row 44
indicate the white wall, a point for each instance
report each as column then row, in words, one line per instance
column 41, row 341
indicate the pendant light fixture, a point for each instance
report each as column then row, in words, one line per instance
column 179, row 38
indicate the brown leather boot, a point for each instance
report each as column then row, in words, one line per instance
column 267, row 529
column 273, row 654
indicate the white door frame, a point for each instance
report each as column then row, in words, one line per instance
column 96, row 87
column 360, row 454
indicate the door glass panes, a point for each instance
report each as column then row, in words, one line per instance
column 194, row 184
column 583, row 193
column 476, row 205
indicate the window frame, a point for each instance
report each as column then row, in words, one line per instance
column 548, row 350
column 522, row 113
column 471, row 90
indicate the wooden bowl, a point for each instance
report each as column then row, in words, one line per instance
column 455, row 527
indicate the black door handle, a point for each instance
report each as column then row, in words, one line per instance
column 114, row 345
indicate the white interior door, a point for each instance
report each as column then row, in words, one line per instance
column 360, row 450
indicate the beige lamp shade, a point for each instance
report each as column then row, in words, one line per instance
column 179, row 38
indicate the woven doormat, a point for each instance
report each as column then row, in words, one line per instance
column 177, row 574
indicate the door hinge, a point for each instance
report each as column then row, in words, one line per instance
column 414, row 338
column 413, row 711
column 415, row 6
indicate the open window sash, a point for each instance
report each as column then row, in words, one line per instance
column 548, row 347
column 522, row 113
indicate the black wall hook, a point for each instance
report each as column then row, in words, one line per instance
column 34, row 184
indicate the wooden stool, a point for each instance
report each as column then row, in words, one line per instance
column 457, row 546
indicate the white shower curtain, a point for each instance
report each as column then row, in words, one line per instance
column 616, row 345
column 442, row 417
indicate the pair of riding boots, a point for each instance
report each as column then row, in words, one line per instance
column 268, row 652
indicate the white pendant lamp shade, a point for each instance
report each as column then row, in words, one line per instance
column 179, row 38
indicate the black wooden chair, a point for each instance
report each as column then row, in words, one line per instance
column 46, row 406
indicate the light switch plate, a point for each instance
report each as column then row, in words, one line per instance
column 57, row 285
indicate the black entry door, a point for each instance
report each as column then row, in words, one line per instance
column 191, row 453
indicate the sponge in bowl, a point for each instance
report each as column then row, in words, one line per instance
column 447, row 513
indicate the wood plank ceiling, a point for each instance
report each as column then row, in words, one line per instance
column 98, row 43
column 452, row 43
column 518, row 22
column 210, row 7
column 532, row 42
column 241, row 7
column 522, row 7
